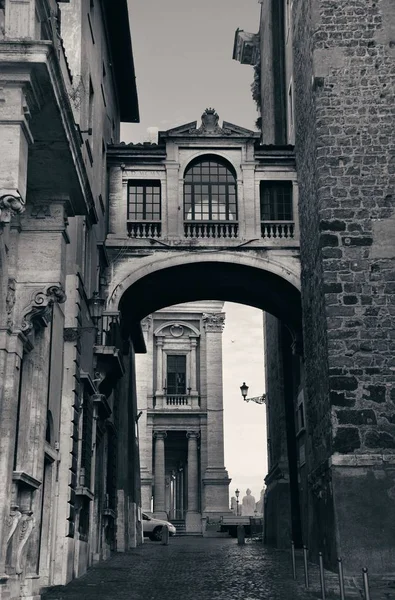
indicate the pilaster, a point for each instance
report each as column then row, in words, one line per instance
column 216, row 480
column 159, row 475
column 144, row 370
column 193, row 518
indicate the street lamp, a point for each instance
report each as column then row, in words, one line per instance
column 237, row 492
column 257, row 399
column 96, row 305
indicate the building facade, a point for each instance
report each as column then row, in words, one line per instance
column 179, row 389
column 324, row 81
column 67, row 404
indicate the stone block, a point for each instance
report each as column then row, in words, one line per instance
column 346, row 440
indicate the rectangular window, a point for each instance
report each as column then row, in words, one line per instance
column 176, row 374
column 276, row 201
column 290, row 112
column 300, row 414
column 144, row 201
column 91, row 104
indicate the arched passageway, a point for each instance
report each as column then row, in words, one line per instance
column 213, row 281
column 278, row 297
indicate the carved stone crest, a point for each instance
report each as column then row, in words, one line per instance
column 210, row 124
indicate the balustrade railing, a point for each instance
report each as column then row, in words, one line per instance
column 204, row 230
column 178, row 400
column 278, row 230
column 144, row 229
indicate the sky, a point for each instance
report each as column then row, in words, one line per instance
column 183, row 62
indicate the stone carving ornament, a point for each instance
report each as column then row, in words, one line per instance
column 10, row 301
column 210, row 125
column 11, row 204
column 27, row 524
column 214, row 322
column 176, row 330
column 40, row 305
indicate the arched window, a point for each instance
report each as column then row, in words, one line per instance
column 210, row 191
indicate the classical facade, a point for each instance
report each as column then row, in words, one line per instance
column 66, row 404
column 324, row 83
column 179, row 390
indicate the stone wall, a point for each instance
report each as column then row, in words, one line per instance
column 344, row 77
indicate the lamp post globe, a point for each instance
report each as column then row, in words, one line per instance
column 244, row 389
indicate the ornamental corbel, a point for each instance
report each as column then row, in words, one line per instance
column 11, row 204
column 39, row 307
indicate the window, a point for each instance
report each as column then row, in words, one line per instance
column 290, row 112
column 276, row 201
column 91, row 104
column 176, row 374
column 210, row 191
column 144, row 203
column 300, row 414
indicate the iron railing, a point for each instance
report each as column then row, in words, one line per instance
column 341, row 583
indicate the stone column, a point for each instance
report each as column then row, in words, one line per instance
column 216, row 480
column 159, row 475
column 193, row 519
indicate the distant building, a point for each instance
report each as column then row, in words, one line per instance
column 179, row 389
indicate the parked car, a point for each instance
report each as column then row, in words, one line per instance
column 152, row 528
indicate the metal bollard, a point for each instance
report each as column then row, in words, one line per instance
column 366, row 583
column 165, row 535
column 306, row 568
column 241, row 535
column 341, row 579
column 293, row 560
column 322, row 576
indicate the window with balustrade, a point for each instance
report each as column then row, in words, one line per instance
column 176, row 375
column 276, row 202
column 210, row 199
column 144, row 209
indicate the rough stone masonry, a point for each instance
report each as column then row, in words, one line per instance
column 344, row 72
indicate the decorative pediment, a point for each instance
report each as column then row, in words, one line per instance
column 209, row 127
column 177, row 329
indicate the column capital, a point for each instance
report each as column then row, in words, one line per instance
column 160, row 340
column 194, row 435
column 160, row 435
column 214, row 322
column 146, row 323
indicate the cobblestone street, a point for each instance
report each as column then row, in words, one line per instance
column 189, row 569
